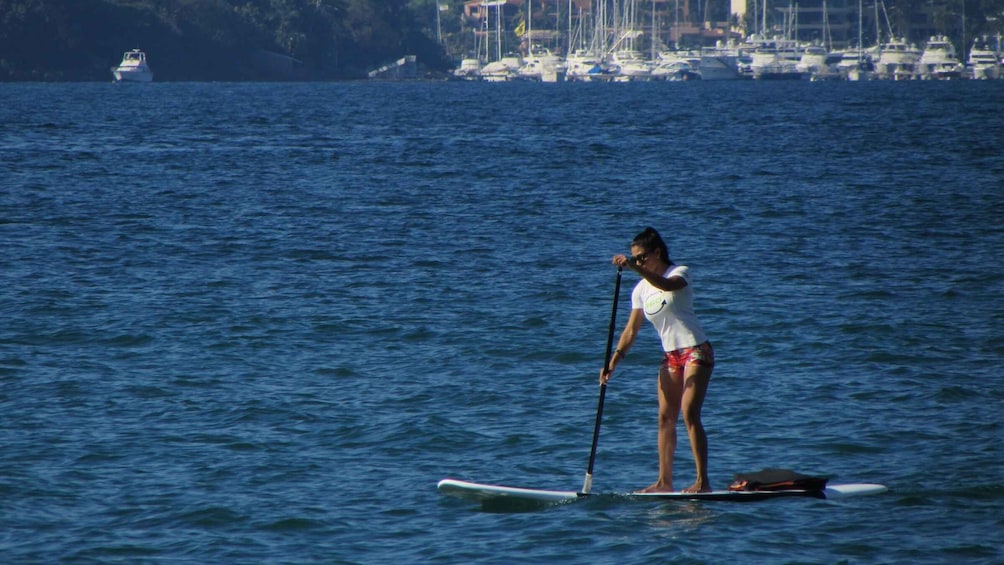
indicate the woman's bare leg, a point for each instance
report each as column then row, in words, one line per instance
column 670, row 392
column 695, row 389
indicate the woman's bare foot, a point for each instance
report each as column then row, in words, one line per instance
column 659, row 486
column 699, row 486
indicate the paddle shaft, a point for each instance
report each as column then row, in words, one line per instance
column 588, row 483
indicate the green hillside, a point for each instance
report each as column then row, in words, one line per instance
column 197, row 40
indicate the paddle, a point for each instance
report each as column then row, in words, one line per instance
column 588, row 483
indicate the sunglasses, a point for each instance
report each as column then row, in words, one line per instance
column 640, row 258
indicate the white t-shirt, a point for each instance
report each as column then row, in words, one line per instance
column 672, row 313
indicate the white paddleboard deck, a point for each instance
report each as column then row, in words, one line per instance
column 487, row 493
column 478, row 491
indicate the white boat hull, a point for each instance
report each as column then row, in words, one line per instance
column 131, row 75
column 720, row 67
column 133, row 68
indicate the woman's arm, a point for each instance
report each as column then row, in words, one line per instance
column 624, row 343
column 655, row 279
column 669, row 285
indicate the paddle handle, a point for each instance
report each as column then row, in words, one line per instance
column 588, row 482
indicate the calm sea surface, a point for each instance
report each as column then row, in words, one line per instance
column 256, row 323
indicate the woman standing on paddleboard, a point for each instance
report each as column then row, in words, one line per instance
column 664, row 296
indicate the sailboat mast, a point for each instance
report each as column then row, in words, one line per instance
column 826, row 28
column 529, row 28
column 498, row 30
column 878, row 31
column 652, row 39
column 676, row 24
column 568, row 49
column 861, row 33
column 439, row 27
column 763, row 24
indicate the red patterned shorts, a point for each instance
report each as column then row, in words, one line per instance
column 701, row 354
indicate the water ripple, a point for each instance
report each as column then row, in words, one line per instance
column 259, row 322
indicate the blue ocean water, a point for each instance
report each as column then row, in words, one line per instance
column 258, row 322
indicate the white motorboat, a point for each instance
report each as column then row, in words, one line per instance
column 985, row 58
column 777, row 60
column 855, row 64
column 469, row 69
column 583, row 66
column 133, row 68
column 939, row 61
column 503, row 70
column 629, row 65
column 543, row 66
column 816, row 62
column 672, row 66
column 897, row 60
column 722, row 62
column 774, row 58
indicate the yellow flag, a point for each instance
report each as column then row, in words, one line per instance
column 521, row 28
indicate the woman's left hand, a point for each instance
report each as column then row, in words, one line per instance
column 621, row 261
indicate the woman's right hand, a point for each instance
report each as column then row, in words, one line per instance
column 605, row 374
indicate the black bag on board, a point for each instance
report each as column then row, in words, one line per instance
column 777, row 480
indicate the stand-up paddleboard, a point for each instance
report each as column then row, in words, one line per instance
column 788, row 485
column 495, row 493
